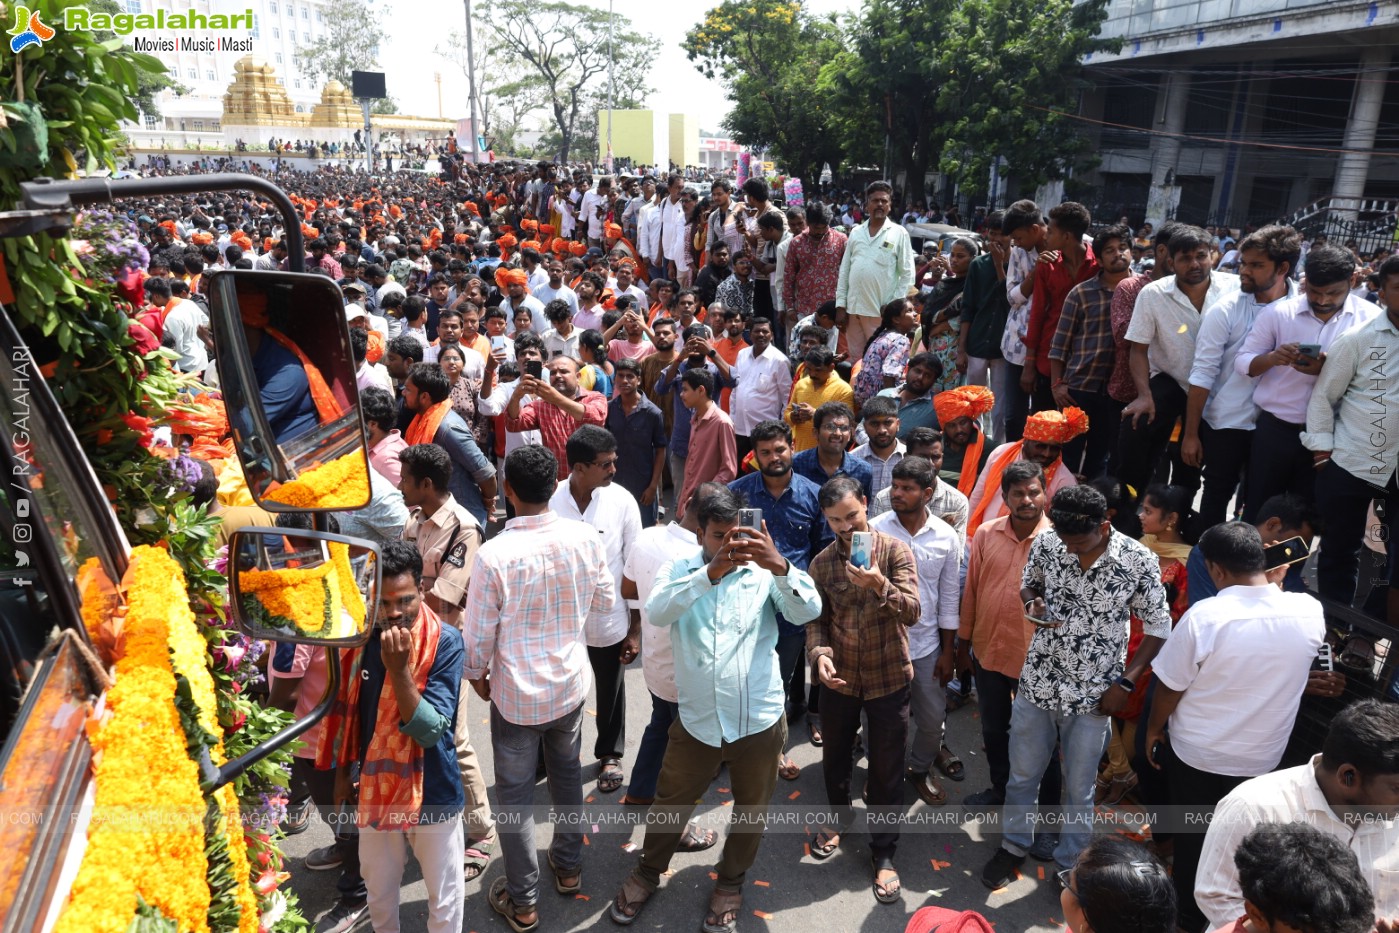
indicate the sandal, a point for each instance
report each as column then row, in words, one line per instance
column 930, row 791
column 630, row 801
column 503, row 905
column 610, row 777
column 949, row 764
column 695, row 839
column 813, row 729
column 824, row 850
column 478, row 856
column 722, row 916
column 561, row 881
column 787, row 769
column 631, row 897
column 889, row 890
column 1118, row 789
column 1357, row 654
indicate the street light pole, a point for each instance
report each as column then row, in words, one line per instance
column 611, row 83
column 471, row 84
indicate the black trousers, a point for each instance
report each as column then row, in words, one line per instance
column 885, row 740
column 322, row 787
column 1226, row 455
column 1093, row 454
column 1343, row 500
column 1278, row 463
column 1197, row 790
column 1142, row 443
column 611, row 701
column 1017, row 402
column 994, row 694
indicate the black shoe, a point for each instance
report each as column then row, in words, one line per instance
column 990, row 797
column 344, row 917
column 326, row 858
column 1000, row 871
column 298, row 818
column 1043, row 849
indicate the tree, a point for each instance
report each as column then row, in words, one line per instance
column 149, row 81
column 385, row 105
column 567, row 46
column 768, row 54
column 351, row 43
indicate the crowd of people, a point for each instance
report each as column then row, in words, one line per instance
column 838, row 485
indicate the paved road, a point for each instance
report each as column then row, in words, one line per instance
column 787, row 890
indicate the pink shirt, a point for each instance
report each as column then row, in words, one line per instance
column 383, row 456
column 626, row 350
column 713, row 453
column 308, row 664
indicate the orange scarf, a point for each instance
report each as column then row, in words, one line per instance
column 423, row 428
column 971, row 457
column 391, row 781
column 994, row 469
column 253, row 310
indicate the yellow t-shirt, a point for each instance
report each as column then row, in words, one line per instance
column 836, row 389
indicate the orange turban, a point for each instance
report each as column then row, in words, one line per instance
column 962, row 402
column 507, row 242
column 459, row 238
column 612, row 231
column 502, row 277
column 1056, row 427
column 546, row 230
column 168, row 225
column 244, row 241
column 530, row 244
column 201, row 238
column 561, row 246
column 267, row 242
column 517, row 277
column 528, row 224
column 578, row 249
column 506, row 228
column 472, row 209
column 626, row 262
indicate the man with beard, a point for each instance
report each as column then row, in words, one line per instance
column 915, row 396
column 964, row 449
column 560, row 406
column 1081, row 354
column 400, row 355
column 793, row 519
column 427, row 393
column 1162, row 341
column 937, row 552
column 1220, row 414
column 883, row 450
column 716, row 271
column 639, row 428
column 1046, row 433
column 762, row 383
column 556, row 289
column 875, row 269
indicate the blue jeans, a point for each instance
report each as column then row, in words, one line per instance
column 646, row 770
column 1033, row 734
column 648, row 512
column 516, row 751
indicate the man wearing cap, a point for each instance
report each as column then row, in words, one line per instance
column 1046, row 433
column 965, row 452
column 354, row 296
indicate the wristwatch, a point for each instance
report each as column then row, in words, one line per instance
column 1125, row 684
column 713, row 353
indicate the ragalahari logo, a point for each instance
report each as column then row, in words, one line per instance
column 28, row 30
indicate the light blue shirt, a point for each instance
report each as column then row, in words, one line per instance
column 1222, row 331
column 724, row 639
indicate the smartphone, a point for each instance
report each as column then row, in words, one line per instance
column 862, row 549
column 1312, row 350
column 497, row 343
column 535, row 368
column 1326, row 658
column 1285, row 553
column 751, row 518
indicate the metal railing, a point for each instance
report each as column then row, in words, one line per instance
column 1138, row 18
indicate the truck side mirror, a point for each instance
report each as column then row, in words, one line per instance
column 288, row 380
column 303, row 587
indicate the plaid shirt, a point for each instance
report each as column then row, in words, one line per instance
column 531, row 591
column 1124, row 302
column 555, row 425
column 866, row 633
column 1083, row 339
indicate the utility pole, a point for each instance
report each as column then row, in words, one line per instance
column 471, row 86
column 437, row 76
column 611, row 84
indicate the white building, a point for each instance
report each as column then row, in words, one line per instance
column 280, row 27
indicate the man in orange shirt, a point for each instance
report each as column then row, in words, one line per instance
column 994, row 626
column 729, row 346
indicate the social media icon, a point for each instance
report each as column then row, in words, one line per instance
column 23, row 532
column 22, row 508
column 21, row 559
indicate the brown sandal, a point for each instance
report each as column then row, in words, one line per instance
column 626, row 906
column 787, row 769
column 722, row 916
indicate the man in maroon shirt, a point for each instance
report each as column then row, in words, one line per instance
column 1067, row 262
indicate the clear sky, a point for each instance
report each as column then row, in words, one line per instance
column 408, row 60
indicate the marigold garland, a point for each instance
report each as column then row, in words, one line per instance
column 312, row 601
column 238, row 855
column 147, row 835
column 341, row 483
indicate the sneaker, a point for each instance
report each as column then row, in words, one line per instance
column 325, row 858
column 344, row 917
column 990, row 797
column 1043, row 849
column 1000, row 871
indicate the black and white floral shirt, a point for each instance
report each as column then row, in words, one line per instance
column 1068, row 668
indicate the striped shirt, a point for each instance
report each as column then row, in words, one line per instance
column 533, row 587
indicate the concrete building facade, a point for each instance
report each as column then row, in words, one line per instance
column 1234, row 111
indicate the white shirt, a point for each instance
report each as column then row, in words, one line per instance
column 762, row 385
column 538, row 321
column 655, row 547
column 547, row 293
column 1166, row 321
column 588, row 211
column 538, row 278
column 648, row 231
column 182, row 326
column 778, row 272
column 1019, row 266
column 1282, row 797
column 373, row 375
column 673, row 226
column 1354, row 408
column 556, row 344
column 496, row 403
column 388, row 288
column 617, row 518
column 1242, row 658
column 1222, row 331
column 1282, row 391
column 938, row 553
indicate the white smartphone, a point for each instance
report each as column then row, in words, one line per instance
column 497, row 343
column 861, row 548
